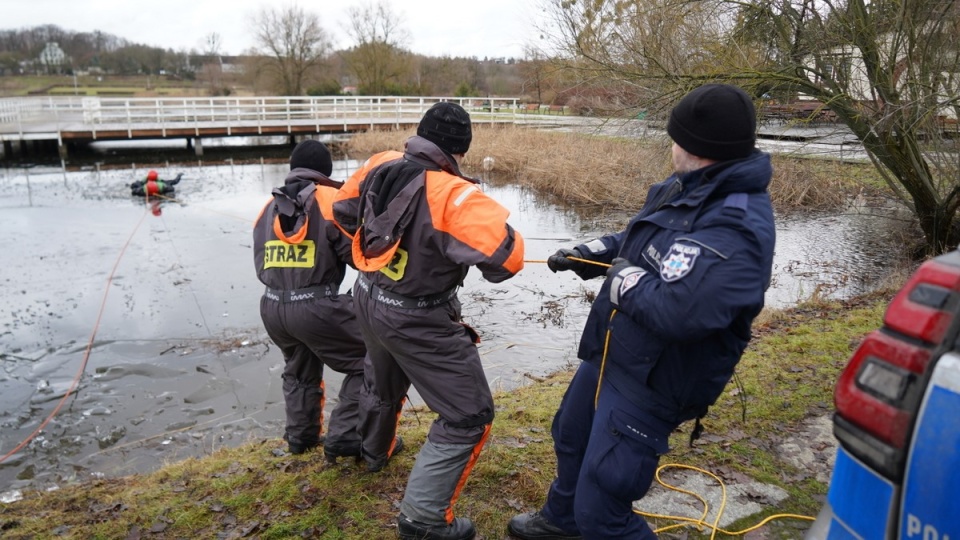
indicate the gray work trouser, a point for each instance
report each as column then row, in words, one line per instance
column 311, row 334
column 430, row 349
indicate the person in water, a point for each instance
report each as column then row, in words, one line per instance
column 153, row 185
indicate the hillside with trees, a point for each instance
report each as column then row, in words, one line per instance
column 301, row 63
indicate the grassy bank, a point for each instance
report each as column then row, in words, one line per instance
column 612, row 175
column 257, row 490
column 99, row 85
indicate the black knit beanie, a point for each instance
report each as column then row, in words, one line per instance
column 311, row 154
column 715, row 121
column 447, row 125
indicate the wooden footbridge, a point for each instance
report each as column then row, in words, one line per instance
column 38, row 123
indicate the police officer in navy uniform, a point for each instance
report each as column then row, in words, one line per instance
column 686, row 278
column 301, row 257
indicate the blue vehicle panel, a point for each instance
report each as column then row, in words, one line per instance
column 861, row 499
column 931, row 501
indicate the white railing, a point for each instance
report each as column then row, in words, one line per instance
column 93, row 114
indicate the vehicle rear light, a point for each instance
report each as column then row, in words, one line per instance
column 921, row 309
column 879, row 390
column 878, row 384
column 883, row 380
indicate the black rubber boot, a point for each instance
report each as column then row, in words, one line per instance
column 297, row 449
column 377, row 466
column 460, row 529
column 533, row 526
column 332, row 451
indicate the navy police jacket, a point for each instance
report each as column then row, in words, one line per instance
column 679, row 316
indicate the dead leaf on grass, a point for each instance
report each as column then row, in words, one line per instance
column 515, row 504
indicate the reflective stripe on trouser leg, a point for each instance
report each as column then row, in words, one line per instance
column 323, row 403
column 437, row 478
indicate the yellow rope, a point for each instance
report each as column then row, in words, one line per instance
column 578, row 259
column 699, row 523
column 603, row 359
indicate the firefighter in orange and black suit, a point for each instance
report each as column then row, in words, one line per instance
column 418, row 226
column 301, row 256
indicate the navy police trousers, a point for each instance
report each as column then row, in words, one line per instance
column 606, row 459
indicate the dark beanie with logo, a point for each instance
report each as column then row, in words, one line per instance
column 311, row 154
column 715, row 121
column 447, row 125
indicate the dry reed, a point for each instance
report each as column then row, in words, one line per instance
column 612, row 174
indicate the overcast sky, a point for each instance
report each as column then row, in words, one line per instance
column 480, row 28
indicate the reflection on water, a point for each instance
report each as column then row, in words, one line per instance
column 180, row 364
column 835, row 256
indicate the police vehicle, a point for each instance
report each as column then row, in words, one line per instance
column 897, row 420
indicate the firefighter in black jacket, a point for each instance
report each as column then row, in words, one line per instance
column 301, row 257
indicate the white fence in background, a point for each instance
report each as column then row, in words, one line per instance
column 35, row 118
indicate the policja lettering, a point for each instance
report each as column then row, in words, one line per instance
column 279, row 254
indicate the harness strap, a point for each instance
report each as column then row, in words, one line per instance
column 405, row 302
column 697, row 431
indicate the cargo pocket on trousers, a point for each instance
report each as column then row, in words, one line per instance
column 622, row 465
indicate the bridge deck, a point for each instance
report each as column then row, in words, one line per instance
column 83, row 119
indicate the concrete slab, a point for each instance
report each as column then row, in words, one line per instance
column 742, row 499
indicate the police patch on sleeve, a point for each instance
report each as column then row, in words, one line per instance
column 678, row 262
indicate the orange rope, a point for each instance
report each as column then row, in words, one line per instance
column 86, row 352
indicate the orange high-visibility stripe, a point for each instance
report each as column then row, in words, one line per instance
column 514, row 262
column 448, row 515
column 325, row 197
column 323, row 402
column 393, row 443
column 351, row 188
column 296, row 238
column 262, row 211
column 486, row 231
column 371, row 264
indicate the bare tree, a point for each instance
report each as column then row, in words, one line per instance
column 888, row 69
column 212, row 44
column 211, row 72
column 378, row 58
column 293, row 44
column 534, row 68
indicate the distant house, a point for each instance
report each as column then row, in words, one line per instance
column 845, row 66
column 226, row 64
column 52, row 58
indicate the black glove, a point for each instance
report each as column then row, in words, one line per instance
column 560, row 261
column 617, row 265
